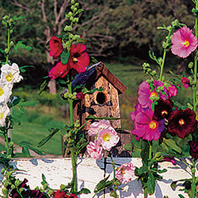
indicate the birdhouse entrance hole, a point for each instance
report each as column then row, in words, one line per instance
column 101, row 98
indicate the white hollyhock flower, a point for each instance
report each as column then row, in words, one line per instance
column 4, row 112
column 10, row 74
column 5, row 93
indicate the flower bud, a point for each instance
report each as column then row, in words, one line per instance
column 4, row 191
column 13, row 186
column 2, row 171
column 17, row 183
column 72, row 1
column 68, row 28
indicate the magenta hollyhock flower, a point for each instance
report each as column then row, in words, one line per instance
column 138, row 108
column 78, row 59
column 147, row 128
column 172, row 91
column 169, row 159
column 59, row 70
column 59, row 194
column 55, row 45
column 163, row 109
column 145, row 93
column 182, row 122
column 125, row 173
column 94, row 150
column 193, row 149
column 80, row 95
column 183, row 42
column 107, row 138
column 95, row 127
column 185, row 82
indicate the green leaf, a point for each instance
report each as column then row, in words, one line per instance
column 64, row 57
column 48, row 137
column 140, row 171
column 144, row 152
column 18, row 17
column 44, row 85
column 181, row 196
column 172, row 144
column 84, row 191
column 162, row 171
column 21, row 108
column 21, row 45
column 151, row 183
column 29, row 103
column 25, row 151
column 27, row 145
column 103, row 184
column 128, row 146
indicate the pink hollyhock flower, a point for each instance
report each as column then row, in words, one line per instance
column 59, row 70
column 183, row 42
column 78, row 59
column 185, row 82
column 172, row 91
column 94, row 150
column 147, row 128
column 138, row 108
column 95, row 127
column 55, row 45
column 107, row 138
column 125, row 173
column 145, row 93
column 59, row 194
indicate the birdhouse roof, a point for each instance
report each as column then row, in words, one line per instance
column 94, row 72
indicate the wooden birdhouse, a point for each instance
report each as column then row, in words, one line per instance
column 101, row 103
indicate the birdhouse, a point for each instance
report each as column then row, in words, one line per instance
column 103, row 103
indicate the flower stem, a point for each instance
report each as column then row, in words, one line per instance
column 193, row 178
column 114, row 177
column 72, row 148
column 8, row 42
column 162, row 65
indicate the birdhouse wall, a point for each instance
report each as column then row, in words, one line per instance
column 99, row 104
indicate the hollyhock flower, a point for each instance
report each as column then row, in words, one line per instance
column 125, row 173
column 80, row 95
column 138, row 108
column 182, row 122
column 4, row 112
column 59, row 70
column 145, row 93
column 172, row 91
column 36, row 194
column 193, row 149
column 60, row 194
column 183, row 42
column 10, row 74
column 147, row 128
column 185, row 82
column 55, row 45
column 78, row 59
column 95, row 127
column 163, row 109
column 94, row 150
column 169, row 159
column 5, row 93
column 107, row 138
column 72, row 196
column 14, row 193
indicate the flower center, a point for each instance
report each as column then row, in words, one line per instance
column 153, row 125
column 1, row 92
column 186, row 43
column 153, row 93
column 75, row 60
column 164, row 112
column 181, row 122
column 106, row 137
column 9, row 77
column 123, row 171
column 1, row 115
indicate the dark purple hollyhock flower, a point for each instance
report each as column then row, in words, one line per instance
column 36, row 194
column 193, row 149
column 163, row 109
column 182, row 122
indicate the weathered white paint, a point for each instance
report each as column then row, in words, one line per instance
column 90, row 172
